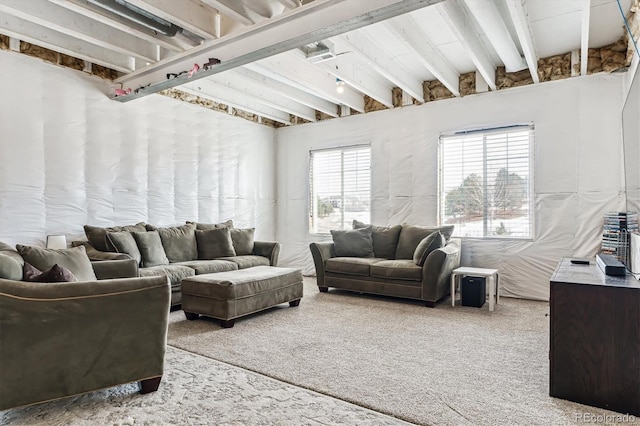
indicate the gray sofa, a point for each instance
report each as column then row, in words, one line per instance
column 66, row 338
column 190, row 249
column 405, row 261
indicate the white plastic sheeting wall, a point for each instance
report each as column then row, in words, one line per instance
column 578, row 172
column 69, row 156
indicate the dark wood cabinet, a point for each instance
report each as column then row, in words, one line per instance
column 594, row 356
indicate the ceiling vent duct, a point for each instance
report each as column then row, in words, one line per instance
column 318, row 52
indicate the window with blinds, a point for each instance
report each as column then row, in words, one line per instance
column 486, row 182
column 340, row 188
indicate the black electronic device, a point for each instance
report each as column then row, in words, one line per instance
column 473, row 291
column 610, row 265
column 580, row 261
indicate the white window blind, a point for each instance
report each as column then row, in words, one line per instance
column 340, row 188
column 486, row 182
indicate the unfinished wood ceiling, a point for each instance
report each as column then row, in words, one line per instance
column 280, row 59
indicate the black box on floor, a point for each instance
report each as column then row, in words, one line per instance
column 473, row 291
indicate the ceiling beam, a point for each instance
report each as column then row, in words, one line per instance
column 99, row 14
column 270, row 82
column 584, row 38
column 312, row 22
column 525, row 36
column 49, row 15
column 191, row 15
column 459, row 21
column 290, row 3
column 380, row 61
column 44, row 37
column 488, row 16
column 408, row 30
column 232, row 9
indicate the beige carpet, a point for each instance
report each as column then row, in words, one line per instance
column 442, row 366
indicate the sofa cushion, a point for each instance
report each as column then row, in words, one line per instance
column 209, row 266
column 357, row 242
column 179, row 242
column 385, row 239
column 242, row 240
column 175, row 272
column 398, row 269
column 431, row 242
column 214, row 243
column 151, row 249
column 208, row 226
column 10, row 263
column 74, row 259
column 97, row 235
column 55, row 274
column 124, row 243
column 248, row 261
column 411, row 235
column 350, row 265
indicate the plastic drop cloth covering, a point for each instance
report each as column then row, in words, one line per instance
column 69, row 156
column 578, row 172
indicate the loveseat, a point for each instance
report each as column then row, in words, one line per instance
column 60, row 339
column 180, row 251
column 408, row 261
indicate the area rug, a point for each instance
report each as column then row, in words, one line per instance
column 199, row 391
column 434, row 366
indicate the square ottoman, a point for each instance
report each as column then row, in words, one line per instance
column 232, row 294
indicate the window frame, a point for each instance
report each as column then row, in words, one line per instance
column 530, row 187
column 311, row 192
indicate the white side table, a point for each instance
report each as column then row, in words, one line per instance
column 491, row 274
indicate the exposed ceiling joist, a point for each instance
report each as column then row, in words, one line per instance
column 312, row 22
column 44, row 37
column 488, row 17
column 459, row 20
column 282, row 85
column 523, row 29
column 101, row 15
column 584, row 37
column 191, row 15
column 233, row 9
column 406, row 28
column 49, row 15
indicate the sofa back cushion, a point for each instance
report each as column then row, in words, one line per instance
column 124, row 243
column 355, row 243
column 151, row 249
column 242, row 240
column 431, row 242
column 208, row 226
column 214, row 243
column 411, row 235
column 385, row 239
column 75, row 259
column 10, row 263
column 179, row 242
column 55, row 274
column 97, row 235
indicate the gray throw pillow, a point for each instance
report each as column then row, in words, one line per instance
column 10, row 263
column 242, row 240
column 124, row 242
column 431, row 242
column 75, row 259
column 214, row 243
column 151, row 249
column 385, row 239
column 179, row 242
column 97, row 235
column 55, row 274
column 411, row 235
column 356, row 243
column 208, row 226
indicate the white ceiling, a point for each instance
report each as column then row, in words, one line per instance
column 435, row 40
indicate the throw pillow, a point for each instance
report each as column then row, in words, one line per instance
column 357, row 243
column 97, row 235
column 10, row 263
column 208, row 226
column 124, row 242
column 431, row 242
column 411, row 235
column 55, row 274
column 214, row 243
column 179, row 242
column 151, row 249
column 75, row 259
column 242, row 240
column 385, row 239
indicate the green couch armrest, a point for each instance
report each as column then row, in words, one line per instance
column 110, row 269
column 436, row 271
column 321, row 251
column 268, row 249
column 95, row 254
